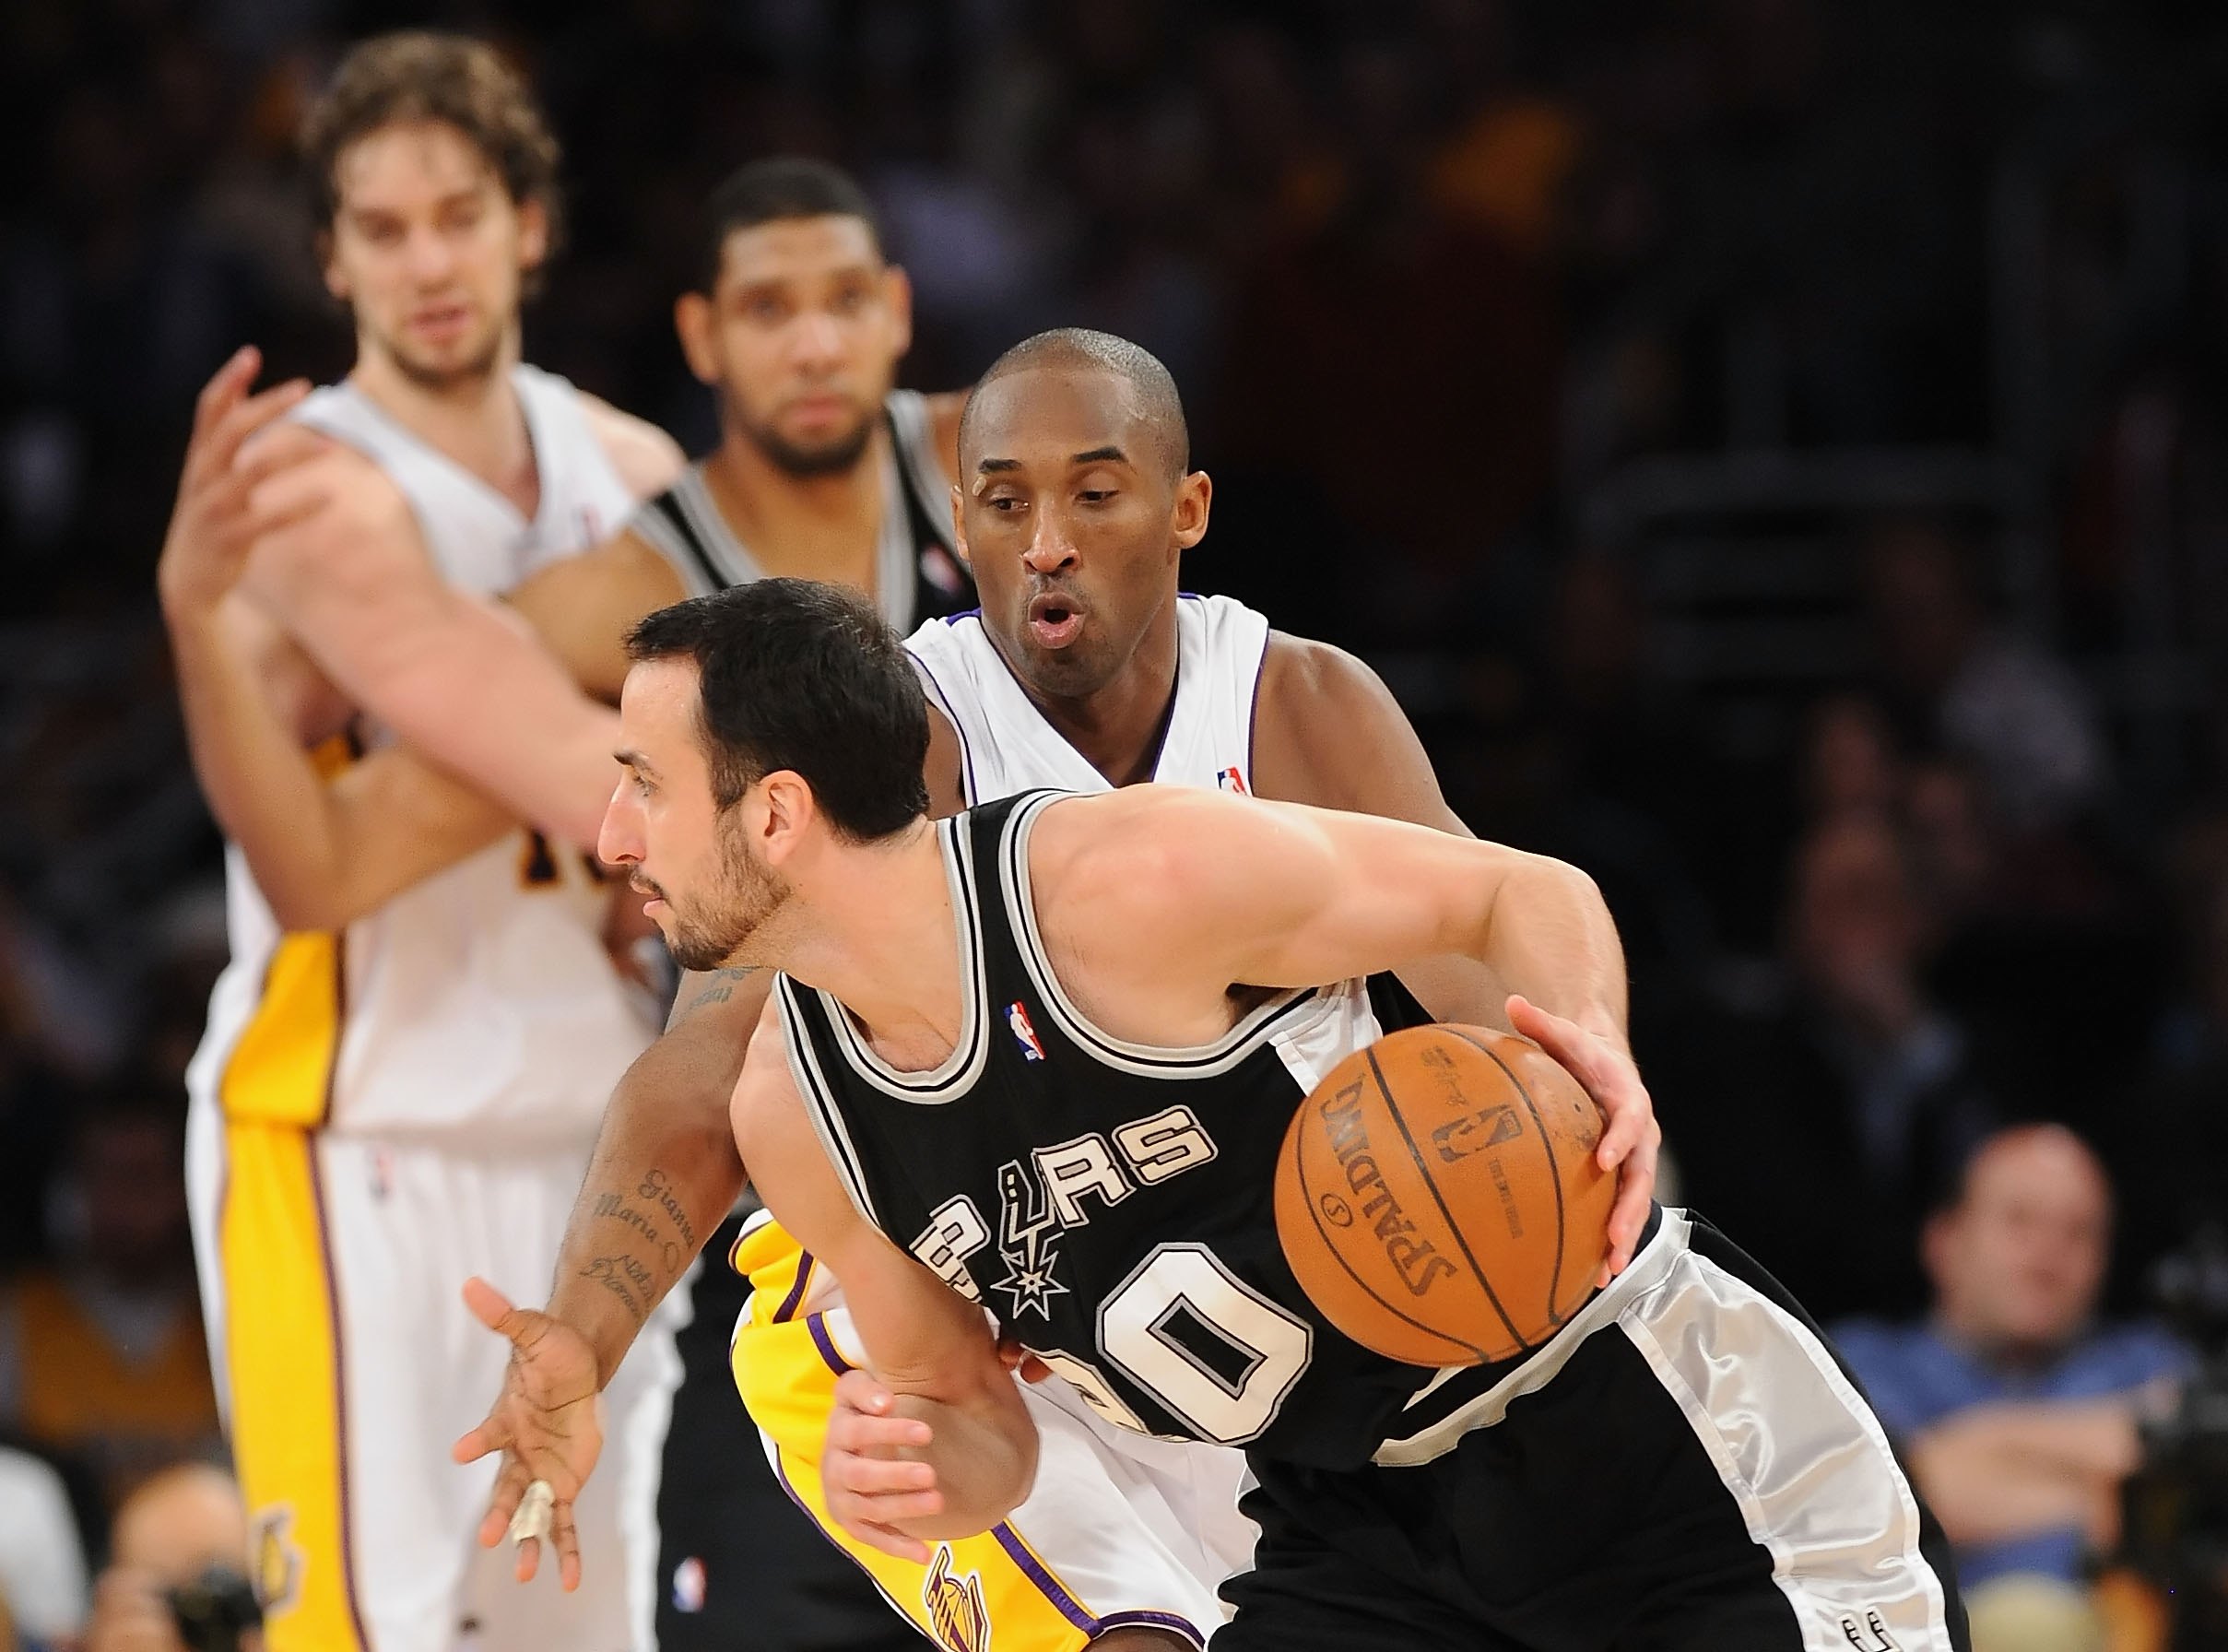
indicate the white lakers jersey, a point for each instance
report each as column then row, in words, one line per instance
column 481, row 1000
column 1007, row 747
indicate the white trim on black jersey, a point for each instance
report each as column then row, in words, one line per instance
column 818, row 1097
column 1288, row 1014
column 957, row 1072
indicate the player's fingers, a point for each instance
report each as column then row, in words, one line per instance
column 879, row 1476
column 1635, row 1199
column 851, row 1430
column 491, row 1435
column 226, row 386
column 564, row 1533
column 244, row 419
column 502, row 1502
column 274, row 516
column 271, row 451
column 529, row 1559
column 492, row 1308
column 890, row 1540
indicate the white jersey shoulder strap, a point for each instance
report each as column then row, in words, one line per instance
column 1007, row 746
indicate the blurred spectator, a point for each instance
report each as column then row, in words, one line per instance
column 1822, row 1115
column 2022, row 716
column 2017, row 1411
column 101, row 1355
column 1850, row 763
column 42, row 1564
column 184, row 1529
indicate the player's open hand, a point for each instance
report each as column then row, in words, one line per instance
column 1630, row 1136
column 544, row 1422
column 219, row 515
column 869, row 1481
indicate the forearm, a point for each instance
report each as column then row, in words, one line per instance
column 1548, row 935
column 1984, row 1492
column 664, row 1171
column 260, row 785
column 418, row 651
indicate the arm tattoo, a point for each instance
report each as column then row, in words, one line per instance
column 717, row 990
column 623, row 1277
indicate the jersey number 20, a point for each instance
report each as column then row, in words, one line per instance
column 1209, row 1348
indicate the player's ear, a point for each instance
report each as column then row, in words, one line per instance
column 958, row 525
column 896, row 292
column 692, row 319
column 1195, row 495
column 328, row 265
column 786, row 810
column 533, row 233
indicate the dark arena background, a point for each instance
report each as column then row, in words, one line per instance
column 1775, row 451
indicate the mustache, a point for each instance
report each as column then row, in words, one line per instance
column 646, row 886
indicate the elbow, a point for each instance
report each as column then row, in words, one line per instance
column 305, row 912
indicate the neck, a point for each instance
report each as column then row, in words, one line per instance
column 476, row 420
column 812, row 527
column 1118, row 728
column 879, row 933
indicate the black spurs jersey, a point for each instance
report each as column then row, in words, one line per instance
column 917, row 575
column 1111, row 1204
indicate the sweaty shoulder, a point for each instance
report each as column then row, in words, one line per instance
column 646, row 458
column 1326, row 729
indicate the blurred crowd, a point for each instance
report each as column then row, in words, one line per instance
column 1774, row 447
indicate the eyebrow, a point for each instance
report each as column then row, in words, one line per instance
column 635, row 760
column 1094, row 456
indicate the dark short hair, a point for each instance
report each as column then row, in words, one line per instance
column 419, row 74
column 802, row 675
column 1159, row 402
column 773, row 190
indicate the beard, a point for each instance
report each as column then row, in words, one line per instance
column 706, row 932
column 833, row 455
column 475, row 366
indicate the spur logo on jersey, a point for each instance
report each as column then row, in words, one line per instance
column 956, row 1606
column 1024, row 1030
column 1416, row 1260
column 1232, row 780
column 1873, row 1637
column 1041, row 1197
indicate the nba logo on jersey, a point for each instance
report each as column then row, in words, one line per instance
column 1231, row 780
column 1024, row 1030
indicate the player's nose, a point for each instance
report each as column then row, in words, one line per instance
column 815, row 339
column 619, row 841
column 1051, row 546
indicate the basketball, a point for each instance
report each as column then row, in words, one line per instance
column 1437, row 1196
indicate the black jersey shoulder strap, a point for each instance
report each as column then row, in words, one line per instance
column 912, row 441
column 666, row 524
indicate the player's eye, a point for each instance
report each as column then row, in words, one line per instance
column 850, row 300
column 765, row 311
column 1096, row 496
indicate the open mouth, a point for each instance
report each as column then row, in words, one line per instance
column 1055, row 620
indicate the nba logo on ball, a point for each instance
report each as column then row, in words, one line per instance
column 688, row 1586
column 1024, row 1030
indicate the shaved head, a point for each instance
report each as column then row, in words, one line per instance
column 1155, row 403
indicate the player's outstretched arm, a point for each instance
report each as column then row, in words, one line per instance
column 1329, row 733
column 1174, row 895
column 664, row 1171
column 933, row 1441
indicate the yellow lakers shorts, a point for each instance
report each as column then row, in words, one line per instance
column 1120, row 1529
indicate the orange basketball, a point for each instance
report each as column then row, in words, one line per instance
column 1437, row 1196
